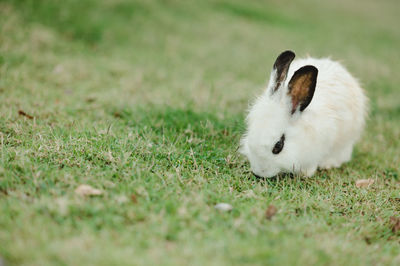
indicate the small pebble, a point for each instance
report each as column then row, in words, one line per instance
column 121, row 199
column 86, row 190
column 225, row 207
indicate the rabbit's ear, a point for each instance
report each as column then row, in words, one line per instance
column 302, row 86
column 281, row 67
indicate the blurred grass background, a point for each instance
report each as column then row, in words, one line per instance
column 148, row 98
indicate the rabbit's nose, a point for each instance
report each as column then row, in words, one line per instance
column 257, row 176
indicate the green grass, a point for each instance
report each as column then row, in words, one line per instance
column 147, row 98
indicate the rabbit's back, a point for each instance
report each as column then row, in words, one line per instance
column 339, row 107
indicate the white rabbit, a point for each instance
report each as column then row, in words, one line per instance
column 311, row 119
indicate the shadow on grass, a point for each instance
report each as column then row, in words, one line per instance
column 212, row 139
column 164, row 120
column 268, row 16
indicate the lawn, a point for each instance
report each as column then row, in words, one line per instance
column 146, row 100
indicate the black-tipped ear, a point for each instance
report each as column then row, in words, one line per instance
column 281, row 66
column 302, row 87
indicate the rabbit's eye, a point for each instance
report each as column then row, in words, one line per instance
column 279, row 145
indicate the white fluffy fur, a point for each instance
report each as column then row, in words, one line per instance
column 323, row 135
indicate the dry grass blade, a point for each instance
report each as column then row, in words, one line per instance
column 395, row 222
column 364, row 183
column 133, row 198
column 270, row 212
column 22, row 113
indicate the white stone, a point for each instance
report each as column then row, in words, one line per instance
column 225, row 207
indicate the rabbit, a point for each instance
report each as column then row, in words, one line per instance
column 310, row 116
